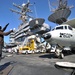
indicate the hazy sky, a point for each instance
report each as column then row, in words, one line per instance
column 42, row 8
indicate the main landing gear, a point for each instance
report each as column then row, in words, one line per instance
column 58, row 51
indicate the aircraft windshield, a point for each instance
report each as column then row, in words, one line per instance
column 69, row 27
column 61, row 27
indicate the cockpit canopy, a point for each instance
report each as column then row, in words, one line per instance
column 63, row 27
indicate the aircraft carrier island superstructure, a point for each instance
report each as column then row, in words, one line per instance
column 20, row 33
column 28, row 25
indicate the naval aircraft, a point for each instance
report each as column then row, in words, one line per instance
column 62, row 36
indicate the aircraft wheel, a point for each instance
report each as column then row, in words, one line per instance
column 39, row 51
column 61, row 55
column 26, row 52
column 57, row 52
column 33, row 51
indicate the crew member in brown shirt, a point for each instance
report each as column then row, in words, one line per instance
column 2, row 34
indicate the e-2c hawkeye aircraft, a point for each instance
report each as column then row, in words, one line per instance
column 62, row 37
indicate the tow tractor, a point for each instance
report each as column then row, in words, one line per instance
column 28, row 48
column 32, row 44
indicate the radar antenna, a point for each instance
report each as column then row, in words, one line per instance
column 61, row 13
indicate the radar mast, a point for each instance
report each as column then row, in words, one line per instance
column 24, row 10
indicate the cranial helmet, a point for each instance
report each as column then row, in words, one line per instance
column 37, row 35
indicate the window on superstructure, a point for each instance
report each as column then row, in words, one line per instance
column 23, row 38
column 26, row 26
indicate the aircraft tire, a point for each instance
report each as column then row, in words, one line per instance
column 57, row 53
column 33, row 51
column 26, row 52
column 61, row 55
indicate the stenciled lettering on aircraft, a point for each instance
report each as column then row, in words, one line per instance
column 65, row 35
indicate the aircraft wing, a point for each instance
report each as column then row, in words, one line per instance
column 70, row 22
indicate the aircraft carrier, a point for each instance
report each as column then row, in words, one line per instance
column 35, row 64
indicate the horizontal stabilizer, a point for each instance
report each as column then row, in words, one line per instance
column 70, row 22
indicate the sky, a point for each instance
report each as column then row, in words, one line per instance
column 42, row 8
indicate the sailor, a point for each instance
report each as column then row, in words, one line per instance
column 2, row 34
column 38, row 39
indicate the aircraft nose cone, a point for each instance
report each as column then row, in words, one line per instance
column 47, row 36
